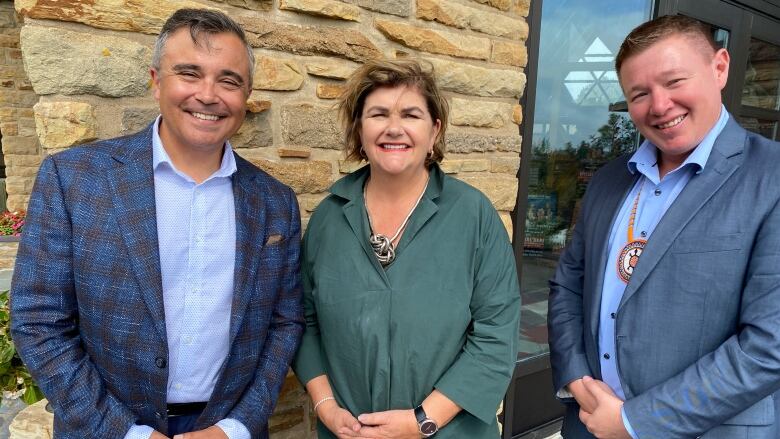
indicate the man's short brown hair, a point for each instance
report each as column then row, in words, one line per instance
column 653, row 31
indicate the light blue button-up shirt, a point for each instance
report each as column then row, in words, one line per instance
column 196, row 233
column 655, row 198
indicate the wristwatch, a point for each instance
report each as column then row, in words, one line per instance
column 428, row 427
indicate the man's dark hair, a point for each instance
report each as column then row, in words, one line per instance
column 198, row 21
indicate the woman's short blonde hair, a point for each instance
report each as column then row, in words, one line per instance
column 389, row 73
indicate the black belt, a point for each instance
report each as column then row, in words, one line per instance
column 185, row 408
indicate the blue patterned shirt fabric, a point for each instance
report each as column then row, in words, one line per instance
column 654, row 199
column 196, row 231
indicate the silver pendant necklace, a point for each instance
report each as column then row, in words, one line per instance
column 382, row 245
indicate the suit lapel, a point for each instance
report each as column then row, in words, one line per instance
column 250, row 239
column 720, row 166
column 607, row 208
column 132, row 186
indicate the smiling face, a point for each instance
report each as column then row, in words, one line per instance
column 202, row 91
column 397, row 131
column 673, row 92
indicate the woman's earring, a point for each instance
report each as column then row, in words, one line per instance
column 430, row 153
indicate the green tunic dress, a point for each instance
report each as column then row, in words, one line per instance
column 443, row 316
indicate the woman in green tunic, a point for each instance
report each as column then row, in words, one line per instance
column 411, row 295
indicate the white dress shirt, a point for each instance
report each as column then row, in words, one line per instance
column 196, row 232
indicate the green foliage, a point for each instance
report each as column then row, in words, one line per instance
column 15, row 380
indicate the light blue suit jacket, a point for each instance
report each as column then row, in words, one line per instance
column 698, row 328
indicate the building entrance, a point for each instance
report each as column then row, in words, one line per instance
column 576, row 120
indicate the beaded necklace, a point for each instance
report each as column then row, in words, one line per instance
column 631, row 252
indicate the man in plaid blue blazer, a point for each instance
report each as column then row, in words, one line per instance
column 156, row 291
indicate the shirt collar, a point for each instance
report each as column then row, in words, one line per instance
column 160, row 156
column 645, row 157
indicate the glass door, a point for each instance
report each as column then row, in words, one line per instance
column 759, row 108
column 571, row 129
column 574, row 133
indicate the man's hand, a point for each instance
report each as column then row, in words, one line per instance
column 339, row 421
column 584, row 398
column 157, row 435
column 392, row 424
column 606, row 421
column 212, row 432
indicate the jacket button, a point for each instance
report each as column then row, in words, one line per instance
column 160, row 362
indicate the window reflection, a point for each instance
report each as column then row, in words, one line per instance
column 574, row 134
column 721, row 37
column 762, row 77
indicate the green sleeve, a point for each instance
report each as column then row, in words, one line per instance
column 308, row 361
column 479, row 377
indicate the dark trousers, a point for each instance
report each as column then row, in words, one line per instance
column 181, row 424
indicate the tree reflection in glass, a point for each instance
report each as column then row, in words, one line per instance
column 574, row 133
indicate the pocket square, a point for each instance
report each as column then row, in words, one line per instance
column 273, row 239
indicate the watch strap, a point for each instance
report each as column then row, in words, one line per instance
column 419, row 413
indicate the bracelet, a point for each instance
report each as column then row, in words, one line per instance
column 319, row 403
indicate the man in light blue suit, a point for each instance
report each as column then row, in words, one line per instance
column 156, row 292
column 664, row 312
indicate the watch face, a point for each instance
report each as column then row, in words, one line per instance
column 428, row 427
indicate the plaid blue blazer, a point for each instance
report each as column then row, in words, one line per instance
column 87, row 302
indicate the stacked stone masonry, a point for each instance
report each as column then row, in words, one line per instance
column 72, row 72
column 22, row 153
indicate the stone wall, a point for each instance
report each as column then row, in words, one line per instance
column 17, row 125
column 17, row 128
column 87, row 64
